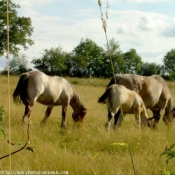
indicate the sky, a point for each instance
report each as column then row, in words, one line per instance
column 148, row 26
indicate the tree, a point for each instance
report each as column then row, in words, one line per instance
column 169, row 64
column 18, row 65
column 52, row 62
column 20, row 29
column 116, row 57
column 148, row 69
column 133, row 61
column 169, row 60
column 87, row 59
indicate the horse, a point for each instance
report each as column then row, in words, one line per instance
column 154, row 92
column 118, row 96
column 50, row 91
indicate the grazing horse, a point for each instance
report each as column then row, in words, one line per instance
column 154, row 92
column 117, row 96
column 50, row 91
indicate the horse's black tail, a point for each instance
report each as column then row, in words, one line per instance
column 106, row 94
column 20, row 92
column 114, row 80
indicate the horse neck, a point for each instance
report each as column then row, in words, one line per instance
column 169, row 107
column 75, row 103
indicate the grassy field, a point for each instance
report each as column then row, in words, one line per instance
column 72, row 149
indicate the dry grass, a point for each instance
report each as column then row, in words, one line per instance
column 72, row 149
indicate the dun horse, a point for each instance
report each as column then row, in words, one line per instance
column 117, row 96
column 154, row 92
column 50, row 91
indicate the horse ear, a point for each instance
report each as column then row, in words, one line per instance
column 173, row 110
column 83, row 108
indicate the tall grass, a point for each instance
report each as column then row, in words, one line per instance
column 72, row 149
column 104, row 25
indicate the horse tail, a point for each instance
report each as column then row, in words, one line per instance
column 20, row 92
column 106, row 94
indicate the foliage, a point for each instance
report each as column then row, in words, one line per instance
column 169, row 64
column 116, row 57
column 132, row 62
column 2, row 112
column 109, row 146
column 87, row 59
column 148, row 69
column 52, row 62
column 20, row 29
column 170, row 154
column 169, row 60
column 19, row 64
column 90, row 60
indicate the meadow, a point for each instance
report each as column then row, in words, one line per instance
column 72, row 149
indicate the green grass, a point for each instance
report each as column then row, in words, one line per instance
column 72, row 149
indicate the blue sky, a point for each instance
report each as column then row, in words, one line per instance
column 145, row 25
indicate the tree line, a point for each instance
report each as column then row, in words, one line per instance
column 87, row 59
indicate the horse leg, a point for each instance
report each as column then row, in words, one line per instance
column 137, row 117
column 116, row 117
column 47, row 114
column 110, row 118
column 28, row 104
column 120, row 119
column 64, row 109
column 156, row 120
column 156, row 116
column 111, row 114
column 26, row 113
column 144, row 119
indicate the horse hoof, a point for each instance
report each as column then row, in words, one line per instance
column 42, row 123
column 63, row 126
column 23, row 123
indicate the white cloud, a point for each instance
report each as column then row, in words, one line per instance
column 144, row 32
column 133, row 22
column 133, row 29
column 33, row 3
column 151, row 34
column 147, row 1
column 170, row 30
column 144, row 1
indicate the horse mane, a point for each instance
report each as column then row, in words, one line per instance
column 76, row 97
column 158, row 77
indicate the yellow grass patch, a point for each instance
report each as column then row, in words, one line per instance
column 72, row 149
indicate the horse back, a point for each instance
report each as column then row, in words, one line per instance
column 146, row 86
column 120, row 96
column 152, row 89
column 49, row 90
column 165, row 89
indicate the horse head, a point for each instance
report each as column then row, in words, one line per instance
column 153, row 121
column 170, row 117
column 79, row 115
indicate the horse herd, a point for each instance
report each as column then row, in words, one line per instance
column 125, row 93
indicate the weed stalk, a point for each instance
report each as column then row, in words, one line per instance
column 104, row 25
